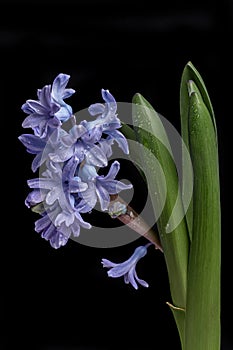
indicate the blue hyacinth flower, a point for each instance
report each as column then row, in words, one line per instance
column 56, row 189
column 49, row 111
column 107, row 119
column 100, row 187
column 127, row 269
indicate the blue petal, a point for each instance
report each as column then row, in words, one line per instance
column 103, row 196
column 140, row 281
column 108, row 263
column 75, row 228
column 45, row 99
column 69, row 169
column 64, row 113
column 66, row 217
column 62, row 154
column 131, row 277
column 119, row 269
column 114, row 168
column 87, row 172
column 77, row 131
column 83, row 206
column 75, row 185
column 81, row 221
column 96, row 108
column 53, row 195
column 106, row 146
column 114, row 186
column 89, row 197
column 34, row 144
column 42, row 223
column 58, row 88
column 107, row 97
column 58, row 240
column 119, row 138
column 41, row 183
column 93, row 134
column 95, row 156
column 34, row 198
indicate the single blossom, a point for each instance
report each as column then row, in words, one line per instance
column 58, row 227
column 56, row 188
column 107, row 119
column 50, row 232
column 99, row 186
column 41, row 147
column 49, row 111
column 59, row 93
column 127, row 269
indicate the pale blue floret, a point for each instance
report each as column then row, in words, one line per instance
column 49, row 111
column 108, row 120
column 100, row 187
column 127, row 269
column 56, row 188
column 59, row 93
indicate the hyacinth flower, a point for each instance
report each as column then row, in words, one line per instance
column 127, row 269
column 100, row 186
column 107, row 120
column 49, row 111
column 69, row 184
column 55, row 190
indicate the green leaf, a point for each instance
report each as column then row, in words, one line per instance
column 191, row 73
column 202, row 322
column 179, row 316
column 160, row 170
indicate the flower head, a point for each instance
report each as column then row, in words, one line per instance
column 49, row 111
column 70, row 155
column 127, row 269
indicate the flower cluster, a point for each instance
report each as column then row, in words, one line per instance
column 68, row 154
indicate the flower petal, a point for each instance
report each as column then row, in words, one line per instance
column 142, row 282
column 34, row 198
column 103, row 196
column 113, row 186
column 108, row 263
column 131, row 277
column 33, row 143
column 96, row 108
column 119, row 138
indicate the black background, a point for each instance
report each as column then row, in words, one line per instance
column 63, row 299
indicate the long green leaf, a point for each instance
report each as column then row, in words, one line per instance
column 202, row 322
column 191, row 73
column 151, row 134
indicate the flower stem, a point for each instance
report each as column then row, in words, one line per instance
column 135, row 221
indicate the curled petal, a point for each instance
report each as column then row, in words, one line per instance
column 131, row 277
column 34, row 198
column 108, row 263
column 67, row 218
column 107, row 97
column 96, row 108
column 95, row 156
column 103, row 196
column 114, row 168
column 119, row 138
